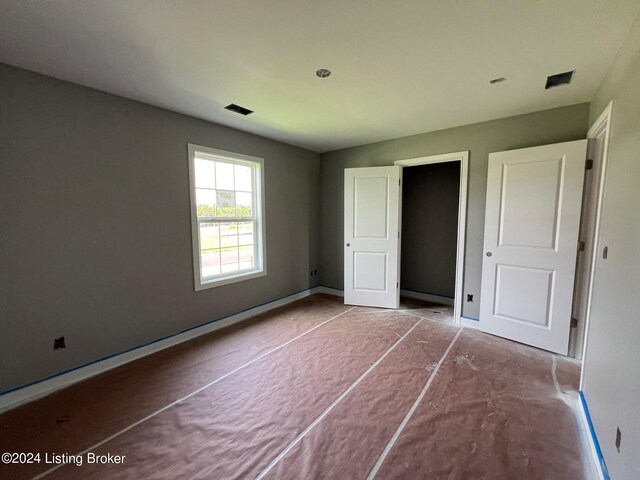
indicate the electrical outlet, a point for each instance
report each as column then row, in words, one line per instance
column 618, row 438
column 469, row 297
column 58, row 343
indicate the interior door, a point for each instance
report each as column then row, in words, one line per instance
column 532, row 219
column 372, row 236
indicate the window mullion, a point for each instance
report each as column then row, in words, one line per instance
column 226, row 219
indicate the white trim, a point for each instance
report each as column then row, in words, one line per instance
column 45, row 387
column 595, row 459
column 603, row 121
column 463, row 158
column 469, row 323
column 405, row 293
column 394, row 438
column 328, row 291
column 326, row 412
column 260, row 248
column 442, row 158
column 427, row 297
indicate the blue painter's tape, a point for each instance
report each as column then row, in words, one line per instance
column 592, row 431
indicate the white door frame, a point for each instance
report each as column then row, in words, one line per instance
column 602, row 122
column 463, row 158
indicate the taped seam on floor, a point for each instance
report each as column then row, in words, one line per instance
column 186, row 397
column 413, row 408
column 554, row 366
column 295, row 441
column 404, row 312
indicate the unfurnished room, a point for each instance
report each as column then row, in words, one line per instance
column 301, row 239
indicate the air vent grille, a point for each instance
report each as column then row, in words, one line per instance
column 559, row 79
column 232, row 107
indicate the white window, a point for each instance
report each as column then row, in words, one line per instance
column 227, row 218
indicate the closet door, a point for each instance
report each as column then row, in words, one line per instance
column 372, row 236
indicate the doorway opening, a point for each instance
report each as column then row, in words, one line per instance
column 434, row 193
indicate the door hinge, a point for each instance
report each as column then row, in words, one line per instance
column 399, row 182
column 588, row 165
column 398, row 234
column 581, row 245
column 397, row 285
column 574, row 322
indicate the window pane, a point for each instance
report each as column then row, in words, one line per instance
column 246, row 255
column 245, row 227
column 245, row 233
column 228, row 235
column 206, row 202
column 229, row 259
column 209, row 236
column 244, row 202
column 224, row 176
column 210, row 263
column 226, row 204
column 243, row 178
column 205, row 173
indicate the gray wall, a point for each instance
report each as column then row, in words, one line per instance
column 430, row 228
column 96, row 237
column 550, row 126
column 611, row 382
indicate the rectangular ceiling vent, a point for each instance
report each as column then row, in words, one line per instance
column 559, row 79
column 238, row 109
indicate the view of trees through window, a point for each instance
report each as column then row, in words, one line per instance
column 227, row 223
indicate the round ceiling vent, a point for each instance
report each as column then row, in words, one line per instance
column 323, row 73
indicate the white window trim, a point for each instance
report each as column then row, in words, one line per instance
column 261, row 261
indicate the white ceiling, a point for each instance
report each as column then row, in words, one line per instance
column 399, row 67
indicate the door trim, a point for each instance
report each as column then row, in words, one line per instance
column 603, row 121
column 463, row 158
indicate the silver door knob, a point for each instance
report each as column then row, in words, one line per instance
column 489, row 254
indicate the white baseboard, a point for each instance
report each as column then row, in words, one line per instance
column 49, row 385
column 469, row 323
column 427, row 297
column 328, row 290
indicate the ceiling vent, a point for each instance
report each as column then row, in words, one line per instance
column 238, row 109
column 323, row 73
column 559, row 79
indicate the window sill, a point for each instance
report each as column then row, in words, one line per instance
column 204, row 285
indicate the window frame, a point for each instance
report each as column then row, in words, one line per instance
column 257, row 164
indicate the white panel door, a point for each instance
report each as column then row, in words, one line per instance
column 532, row 218
column 371, row 236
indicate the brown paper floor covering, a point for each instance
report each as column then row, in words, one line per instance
column 364, row 393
